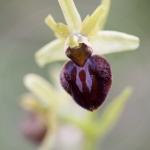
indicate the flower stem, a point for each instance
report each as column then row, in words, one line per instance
column 89, row 144
column 49, row 140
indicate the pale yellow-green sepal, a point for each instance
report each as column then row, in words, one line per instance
column 60, row 29
column 106, row 5
column 112, row 41
column 86, row 19
column 71, row 14
column 53, row 51
column 90, row 25
column 112, row 112
column 41, row 88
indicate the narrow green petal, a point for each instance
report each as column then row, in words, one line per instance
column 62, row 30
column 90, row 25
column 41, row 88
column 86, row 19
column 111, row 41
column 106, row 5
column 71, row 14
column 53, row 51
column 113, row 112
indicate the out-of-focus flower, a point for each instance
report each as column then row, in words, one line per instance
column 33, row 126
column 42, row 121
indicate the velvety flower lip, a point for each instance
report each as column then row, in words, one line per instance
column 88, row 31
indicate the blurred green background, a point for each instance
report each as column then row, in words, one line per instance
column 23, row 32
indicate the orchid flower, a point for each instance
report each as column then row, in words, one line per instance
column 87, row 78
column 93, row 77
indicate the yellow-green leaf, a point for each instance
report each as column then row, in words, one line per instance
column 71, row 14
column 113, row 112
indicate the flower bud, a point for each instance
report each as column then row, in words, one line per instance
column 33, row 127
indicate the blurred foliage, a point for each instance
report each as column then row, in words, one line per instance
column 46, row 102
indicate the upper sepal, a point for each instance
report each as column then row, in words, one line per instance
column 71, row 14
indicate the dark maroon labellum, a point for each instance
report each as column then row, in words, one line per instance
column 87, row 79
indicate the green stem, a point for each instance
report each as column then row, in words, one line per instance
column 89, row 144
column 48, row 142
